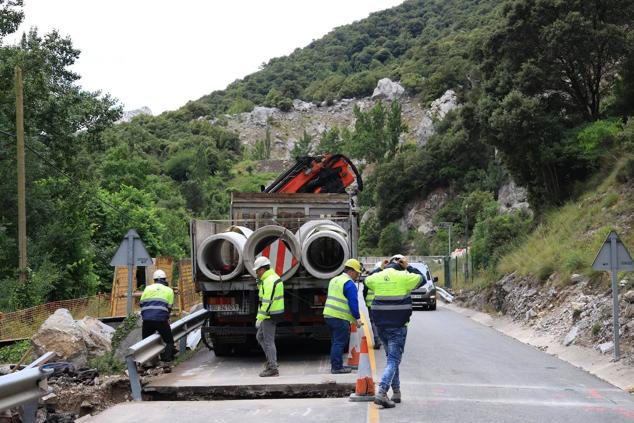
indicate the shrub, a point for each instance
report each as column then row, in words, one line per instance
column 13, row 353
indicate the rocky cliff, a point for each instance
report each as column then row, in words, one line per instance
column 286, row 128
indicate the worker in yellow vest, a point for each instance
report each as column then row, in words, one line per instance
column 271, row 310
column 156, row 305
column 391, row 310
column 341, row 310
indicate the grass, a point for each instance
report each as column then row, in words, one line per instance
column 569, row 237
column 14, row 352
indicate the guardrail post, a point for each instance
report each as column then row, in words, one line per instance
column 182, row 345
column 135, row 382
column 29, row 412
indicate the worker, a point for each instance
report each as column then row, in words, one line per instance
column 368, row 294
column 341, row 310
column 270, row 312
column 391, row 310
column 156, row 305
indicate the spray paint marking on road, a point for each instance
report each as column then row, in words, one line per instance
column 373, row 410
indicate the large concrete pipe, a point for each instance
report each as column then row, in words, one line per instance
column 324, row 248
column 220, row 256
column 282, row 258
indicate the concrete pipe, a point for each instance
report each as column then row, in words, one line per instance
column 266, row 237
column 220, row 256
column 325, row 248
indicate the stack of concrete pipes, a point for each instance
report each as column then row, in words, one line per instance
column 320, row 246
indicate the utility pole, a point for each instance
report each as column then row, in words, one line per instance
column 19, row 131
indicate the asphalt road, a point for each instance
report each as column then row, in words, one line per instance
column 453, row 370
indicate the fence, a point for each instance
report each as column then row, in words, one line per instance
column 458, row 267
column 24, row 323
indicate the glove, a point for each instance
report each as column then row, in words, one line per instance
column 258, row 323
column 359, row 323
column 403, row 263
column 385, row 263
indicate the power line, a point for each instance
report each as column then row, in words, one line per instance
column 73, row 180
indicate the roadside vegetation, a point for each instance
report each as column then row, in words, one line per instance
column 545, row 91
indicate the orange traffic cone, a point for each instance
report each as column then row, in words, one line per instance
column 353, row 348
column 364, row 390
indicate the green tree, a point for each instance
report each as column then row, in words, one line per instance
column 569, row 50
column 303, row 147
column 391, row 240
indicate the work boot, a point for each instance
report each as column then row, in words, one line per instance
column 341, row 371
column 382, row 399
column 396, row 396
column 269, row 372
column 377, row 343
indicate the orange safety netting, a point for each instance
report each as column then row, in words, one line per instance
column 24, row 323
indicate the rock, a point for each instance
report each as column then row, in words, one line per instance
column 129, row 114
column 530, row 314
column 571, row 336
column 419, row 214
column 606, row 347
column 302, row 106
column 49, row 399
column 629, row 311
column 73, row 341
column 388, row 90
column 437, row 112
column 577, row 278
column 577, row 307
column 629, row 296
column 260, row 115
column 133, row 337
column 512, row 197
column 530, row 293
column 99, row 336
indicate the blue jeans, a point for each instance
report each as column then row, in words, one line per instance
column 340, row 337
column 393, row 340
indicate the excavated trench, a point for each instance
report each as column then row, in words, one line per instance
column 235, row 392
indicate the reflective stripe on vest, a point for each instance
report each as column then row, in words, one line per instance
column 392, row 304
column 270, row 306
column 336, row 303
column 156, row 302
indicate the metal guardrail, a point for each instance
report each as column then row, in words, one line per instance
column 446, row 296
column 25, row 387
column 152, row 346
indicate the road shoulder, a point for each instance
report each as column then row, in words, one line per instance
column 602, row 366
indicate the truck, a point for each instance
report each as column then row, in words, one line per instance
column 305, row 229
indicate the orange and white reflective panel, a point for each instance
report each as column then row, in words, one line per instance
column 282, row 260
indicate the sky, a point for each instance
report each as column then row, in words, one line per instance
column 161, row 54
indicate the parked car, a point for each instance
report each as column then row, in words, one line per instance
column 425, row 296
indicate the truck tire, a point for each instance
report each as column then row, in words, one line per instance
column 222, row 350
column 432, row 307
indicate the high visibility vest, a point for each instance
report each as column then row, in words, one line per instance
column 392, row 304
column 337, row 304
column 271, row 293
column 156, row 302
column 369, row 297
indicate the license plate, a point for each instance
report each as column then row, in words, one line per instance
column 417, row 297
column 224, row 307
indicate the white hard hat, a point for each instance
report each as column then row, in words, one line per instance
column 159, row 274
column 396, row 257
column 260, row 262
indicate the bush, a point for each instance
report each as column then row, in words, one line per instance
column 495, row 235
column 13, row 353
column 391, row 240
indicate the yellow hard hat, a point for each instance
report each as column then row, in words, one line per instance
column 353, row 264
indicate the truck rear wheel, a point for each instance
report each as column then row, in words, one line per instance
column 222, row 350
